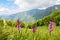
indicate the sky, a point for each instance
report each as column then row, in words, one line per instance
column 14, row 6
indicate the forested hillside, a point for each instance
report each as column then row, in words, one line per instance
column 53, row 16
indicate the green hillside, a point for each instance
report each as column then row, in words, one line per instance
column 54, row 15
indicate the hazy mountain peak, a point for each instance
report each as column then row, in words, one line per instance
column 32, row 15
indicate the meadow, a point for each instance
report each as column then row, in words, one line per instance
column 42, row 33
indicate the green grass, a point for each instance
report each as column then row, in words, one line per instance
column 11, row 33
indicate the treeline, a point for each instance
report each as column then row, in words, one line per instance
column 10, row 23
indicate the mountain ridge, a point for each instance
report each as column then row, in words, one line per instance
column 32, row 15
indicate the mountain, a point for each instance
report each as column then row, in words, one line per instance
column 38, row 14
column 54, row 16
column 22, row 16
column 31, row 15
column 41, row 13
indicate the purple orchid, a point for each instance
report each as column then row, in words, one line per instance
column 51, row 25
column 18, row 25
column 34, row 29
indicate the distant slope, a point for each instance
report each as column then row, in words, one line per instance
column 55, row 16
column 40, row 14
column 31, row 15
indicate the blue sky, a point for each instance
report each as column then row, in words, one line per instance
column 14, row 6
column 8, row 4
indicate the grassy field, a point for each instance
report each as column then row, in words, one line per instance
column 11, row 33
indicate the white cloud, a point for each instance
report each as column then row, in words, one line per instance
column 7, row 11
column 58, row 2
column 30, row 4
column 3, row 9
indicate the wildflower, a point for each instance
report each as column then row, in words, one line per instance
column 18, row 25
column 34, row 29
column 51, row 25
